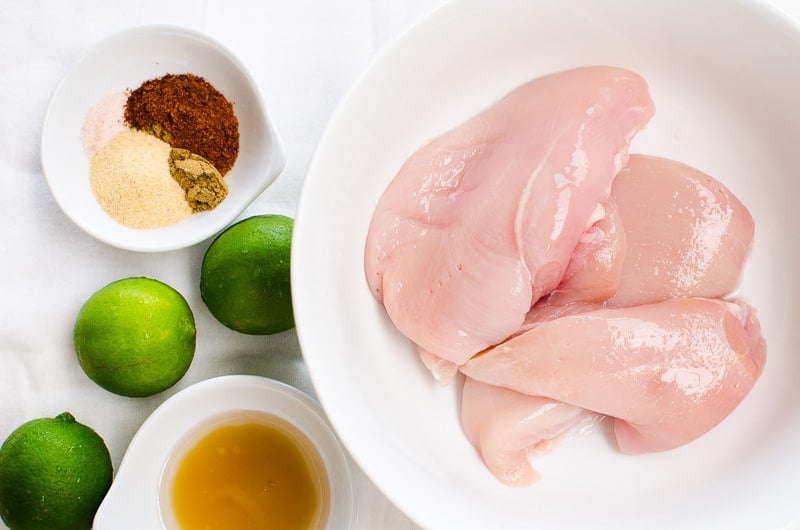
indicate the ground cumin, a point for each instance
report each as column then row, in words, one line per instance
column 187, row 112
column 204, row 186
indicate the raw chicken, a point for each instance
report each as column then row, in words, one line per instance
column 670, row 231
column 441, row 370
column 506, row 426
column 686, row 234
column 668, row 372
column 595, row 269
column 482, row 221
column 661, row 199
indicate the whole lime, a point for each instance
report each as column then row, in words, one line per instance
column 244, row 279
column 135, row 337
column 54, row 473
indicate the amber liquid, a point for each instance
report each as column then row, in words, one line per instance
column 257, row 472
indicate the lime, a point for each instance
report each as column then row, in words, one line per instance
column 54, row 472
column 244, row 279
column 135, row 337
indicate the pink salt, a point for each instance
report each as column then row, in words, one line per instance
column 104, row 121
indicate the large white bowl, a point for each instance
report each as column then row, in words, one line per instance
column 725, row 77
column 124, row 61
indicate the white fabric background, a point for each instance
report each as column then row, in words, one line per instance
column 303, row 54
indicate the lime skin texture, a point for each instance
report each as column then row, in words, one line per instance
column 135, row 337
column 245, row 275
column 54, row 473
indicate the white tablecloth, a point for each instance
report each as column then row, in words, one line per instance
column 303, row 54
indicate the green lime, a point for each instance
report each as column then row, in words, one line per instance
column 54, row 472
column 135, row 337
column 244, row 279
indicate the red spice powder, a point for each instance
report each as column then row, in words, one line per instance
column 187, row 112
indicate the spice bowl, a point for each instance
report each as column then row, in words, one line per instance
column 141, row 494
column 121, row 63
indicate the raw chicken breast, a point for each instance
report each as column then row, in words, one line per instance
column 506, row 426
column 482, row 221
column 668, row 372
column 595, row 268
column 670, row 231
column 686, row 234
column 441, row 370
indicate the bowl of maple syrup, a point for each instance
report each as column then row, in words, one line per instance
column 234, row 451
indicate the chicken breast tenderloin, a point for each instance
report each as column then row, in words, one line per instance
column 481, row 222
column 506, row 426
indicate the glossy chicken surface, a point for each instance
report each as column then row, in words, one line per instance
column 482, row 221
column 668, row 372
column 506, row 426
column 686, row 234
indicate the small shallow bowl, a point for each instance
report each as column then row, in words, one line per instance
column 725, row 78
column 137, row 498
column 125, row 61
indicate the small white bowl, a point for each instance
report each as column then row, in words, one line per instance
column 125, row 61
column 135, row 500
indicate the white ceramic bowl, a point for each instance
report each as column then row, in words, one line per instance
column 125, row 61
column 135, row 502
column 725, row 78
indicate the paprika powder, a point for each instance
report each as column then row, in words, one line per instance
column 187, row 112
